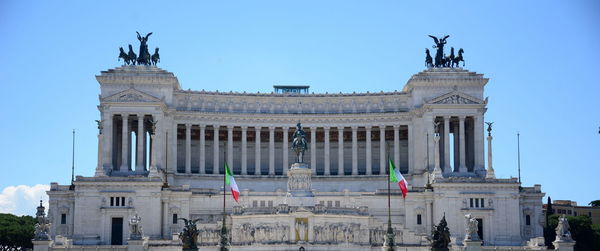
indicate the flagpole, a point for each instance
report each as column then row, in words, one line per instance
column 224, row 238
column 388, row 245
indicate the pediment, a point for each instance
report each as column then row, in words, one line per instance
column 131, row 96
column 456, row 98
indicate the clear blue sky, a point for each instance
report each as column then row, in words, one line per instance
column 542, row 58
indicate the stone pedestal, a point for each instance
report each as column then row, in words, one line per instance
column 299, row 186
column 563, row 245
column 135, row 245
column 41, row 245
column 472, row 245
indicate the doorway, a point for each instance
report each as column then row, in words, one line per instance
column 480, row 228
column 117, row 231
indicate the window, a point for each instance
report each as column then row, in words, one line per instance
column 337, row 203
column 569, row 212
column 471, row 202
column 329, row 203
column 270, row 203
column 117, row 201
column 63, row 219
column 527, row 220
column 262, row 203
column 254, row 203
column 175, row 218
column 589, row 214
column 476, row 202
column 482, row 203
column 419, row 219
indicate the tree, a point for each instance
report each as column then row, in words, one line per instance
column 16, row 232
column 586, row 236
column 594, row 203
column 549, row 234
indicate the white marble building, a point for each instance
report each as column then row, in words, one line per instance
column 174, row 168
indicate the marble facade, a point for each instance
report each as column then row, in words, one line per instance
column 162, row 148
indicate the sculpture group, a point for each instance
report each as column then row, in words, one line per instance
column 144, row 57
column 441, row 60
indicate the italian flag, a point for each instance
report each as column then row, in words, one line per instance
column 229, row 180
column 396, row 177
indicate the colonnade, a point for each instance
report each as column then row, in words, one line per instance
column 276, row 143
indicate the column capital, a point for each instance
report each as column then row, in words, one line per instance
column 271, row 128
column 462, row 117
column 216, row 127
column 139, row 115
column 125, row 115
column 326, row 128
column 382, row 127
column 229, row 127
column 447, row 116
column 312, row 128
column 257, row 128
column 202, row 126
column 340, row 128
column 354, row 128
column 396, row 127
column 244, row 128
column 369, row 127
column 285, row 128
column 188, row 125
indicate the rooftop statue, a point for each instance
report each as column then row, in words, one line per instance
column 144, row 57
column 299, row 144
column 441, row 60
column 43, row 226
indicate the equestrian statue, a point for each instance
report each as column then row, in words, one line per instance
column 299, row 144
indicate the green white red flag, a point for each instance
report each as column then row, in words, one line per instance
column 396, row 177
column 229, row 180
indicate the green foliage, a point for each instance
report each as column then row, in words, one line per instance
column 586, row 235
column 16, row 232
column 595, row 203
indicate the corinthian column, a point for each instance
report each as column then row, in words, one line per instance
column 447, row 164
column 125, row 144
column 216, row 149
column 257, row 151
column 313, row 150
column 382, row 149
column 369, row 170
column 230, row 147
column 461, row 140
column 354, row 150
column 271, row 150
column 202, row 149
column 327, row 157
column 490, row 170
column 341, row 150
column 188, row 148
column 285, row 150
column 139, row 162
column 397, row 146
column 244, row 150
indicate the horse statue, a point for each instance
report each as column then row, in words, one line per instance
column 299, row 145
column 155, row 57
column 458, row 58
column 124, row 56
column 448, row 60
column 428, row 59
column 132, row 56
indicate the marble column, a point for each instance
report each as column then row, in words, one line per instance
column 354, row 150
column 313, row 149
column 411, row 140
column 271, row 150
column 188, row 148
column 478, row 133
column 125, row 143
column 139, row 162
column 461, row 138
column 285, row 150
column 490, row 170
column 447, row 164
column 257, row 151
column 341, row 150
column 397, row 146
column 108, row 139
column 369, row 170
column 382, row 160
column 230, row 147
column 202, row 149
column 244, row 150
column 326, row 150
column 216, row 149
